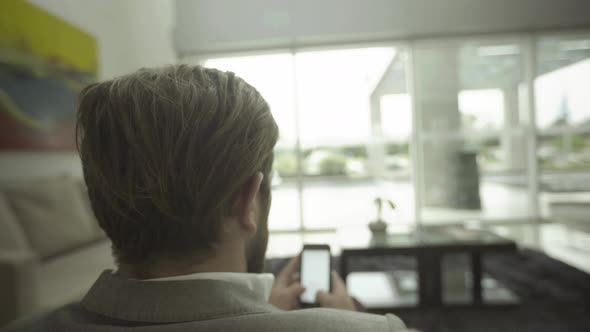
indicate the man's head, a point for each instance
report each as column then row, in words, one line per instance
column 177, row 160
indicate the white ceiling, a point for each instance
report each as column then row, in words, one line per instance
column 209, row 26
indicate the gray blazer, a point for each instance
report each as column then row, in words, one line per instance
column 117, row 304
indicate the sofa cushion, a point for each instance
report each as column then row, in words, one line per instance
column 68, row 277
column 52, row 214
column 12, row 236
column 99, row 233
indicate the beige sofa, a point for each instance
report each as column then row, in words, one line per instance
column 51, row 248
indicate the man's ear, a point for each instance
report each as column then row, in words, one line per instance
column 247, row 202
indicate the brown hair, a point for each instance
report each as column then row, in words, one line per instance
column 164, row 153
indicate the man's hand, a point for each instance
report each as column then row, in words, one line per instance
column 286, row 289
column 338, row 298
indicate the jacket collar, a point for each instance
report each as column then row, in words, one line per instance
column 170, row 301
column 259, row 283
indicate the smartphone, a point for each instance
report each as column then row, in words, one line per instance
column 315, row 270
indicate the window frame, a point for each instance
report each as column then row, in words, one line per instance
column 527, row 41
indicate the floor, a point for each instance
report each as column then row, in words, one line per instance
column 556, row 240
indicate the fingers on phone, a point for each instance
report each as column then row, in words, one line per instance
column 321, row 298
column 289, row 270
column 297, row 289
column 338, row 285
column 292, row 265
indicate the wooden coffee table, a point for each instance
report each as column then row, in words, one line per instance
column 429, row 246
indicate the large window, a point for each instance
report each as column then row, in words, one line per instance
column 562, row 98
column 272, row 75
column 444, row 131
column 562, row 91
column 472, row 140
column 340, row 143
column 332, row 165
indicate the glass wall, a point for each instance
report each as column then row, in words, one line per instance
column 272, row 75
column 562, row 98
column 346, row 155
column 444, row 131
column 342, row 145
column 472, row 135
column 562, row 95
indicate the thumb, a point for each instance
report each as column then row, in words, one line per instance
column 322, row 298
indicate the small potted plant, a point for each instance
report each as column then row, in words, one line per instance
column 379, row 227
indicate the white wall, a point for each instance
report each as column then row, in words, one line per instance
column 130, row 34
column 232, row 25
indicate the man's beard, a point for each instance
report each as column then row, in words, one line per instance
column 256, row 247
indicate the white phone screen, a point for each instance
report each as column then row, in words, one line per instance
column 315, row 273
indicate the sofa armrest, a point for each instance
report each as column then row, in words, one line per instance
column 18, row 284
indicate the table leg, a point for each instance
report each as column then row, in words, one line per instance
column 343, row 266
column 430, row 282
column 476, row 275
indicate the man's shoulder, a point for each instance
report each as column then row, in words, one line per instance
column 324, row 319
column 319, row 319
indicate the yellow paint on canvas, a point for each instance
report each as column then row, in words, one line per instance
column 30, row 30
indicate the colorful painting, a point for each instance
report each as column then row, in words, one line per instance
column 44, row 62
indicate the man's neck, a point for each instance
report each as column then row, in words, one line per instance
column 163, row 268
